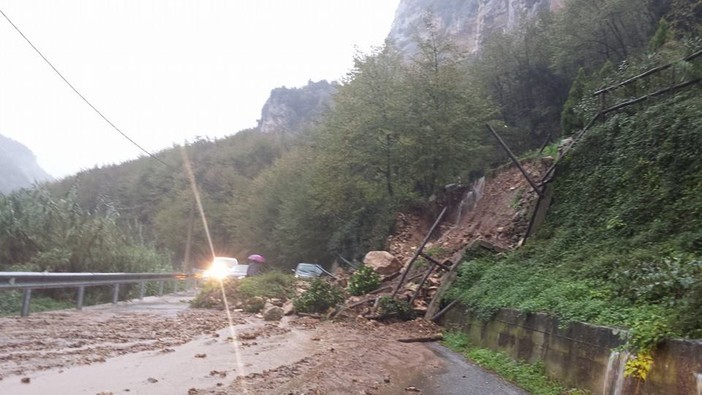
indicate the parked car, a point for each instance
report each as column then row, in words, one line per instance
column 309, row 270
column 225, row 267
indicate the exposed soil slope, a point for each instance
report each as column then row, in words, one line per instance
column 500, row 216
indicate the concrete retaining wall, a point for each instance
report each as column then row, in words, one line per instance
column 581, row 355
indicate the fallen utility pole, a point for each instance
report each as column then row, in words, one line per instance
column 514, row 159
column 434, row 264
column 443, row 311
column 419, row 251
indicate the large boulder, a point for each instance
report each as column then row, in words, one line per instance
column 382, row 262
column 272, row 313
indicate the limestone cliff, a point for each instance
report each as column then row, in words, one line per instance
column 18, row 166
column 290, row 110
column 467, row 22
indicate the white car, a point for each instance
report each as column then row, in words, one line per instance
column 225, row 267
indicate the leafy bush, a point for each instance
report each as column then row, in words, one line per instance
column 363, row 281
column 211, row 294
column 273, row 284
column 250, row 292
column 396, row 308
column 53, row 233
column 319, row 297
column 254, row 304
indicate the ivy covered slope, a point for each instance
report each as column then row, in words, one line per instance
column 622, row 243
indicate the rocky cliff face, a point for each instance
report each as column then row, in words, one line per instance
column 18, row 166
column 290, row 110
column 467, row 22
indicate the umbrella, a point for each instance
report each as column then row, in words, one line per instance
column 257, row 258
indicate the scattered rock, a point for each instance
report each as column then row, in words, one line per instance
column 288, row 308
column 412, row 388
column 276, row 302
column 273, row 313
column 152, row 380
column 25, row 380
column 382, row 262
column 248, row 335
column 200, row 355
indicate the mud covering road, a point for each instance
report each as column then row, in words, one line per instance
column 160, row 346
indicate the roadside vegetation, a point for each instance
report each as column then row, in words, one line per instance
column 249, row 294
column 531, row 377
column 41, row 231
column 11, row 303
column 613, row 249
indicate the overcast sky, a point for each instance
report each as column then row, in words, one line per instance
column 165, row 71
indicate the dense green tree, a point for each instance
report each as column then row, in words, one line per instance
column 445, row 135
column 43, row 232
column 515, row 71
column 685, row 17
column 363, row 130
column 590, row 32
column 571, row 119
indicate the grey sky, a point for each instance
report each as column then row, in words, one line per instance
column 165, row 71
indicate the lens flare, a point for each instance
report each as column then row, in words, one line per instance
column 217, row 270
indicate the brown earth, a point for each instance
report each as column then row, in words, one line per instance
column 501, row 216
column 59, row 339
column 160, row 346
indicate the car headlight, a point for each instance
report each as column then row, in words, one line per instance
column 218, row 270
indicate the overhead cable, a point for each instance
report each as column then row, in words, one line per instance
column 80, row 95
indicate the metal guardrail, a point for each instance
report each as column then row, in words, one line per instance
column 27, row 281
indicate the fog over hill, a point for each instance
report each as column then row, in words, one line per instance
column 18, row 166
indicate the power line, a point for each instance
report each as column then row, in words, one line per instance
column 80, row 95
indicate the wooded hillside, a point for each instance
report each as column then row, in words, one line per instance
column 397, row 133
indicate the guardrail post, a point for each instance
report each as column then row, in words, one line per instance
column 141, row 290
column 79, row 299
column 115, row 293
column 160, row 288
column 26, row 298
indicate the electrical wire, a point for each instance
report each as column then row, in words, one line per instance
column 81, row 96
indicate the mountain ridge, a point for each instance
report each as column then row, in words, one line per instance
column 18, row 166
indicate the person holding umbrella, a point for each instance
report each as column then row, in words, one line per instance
column 255, row 265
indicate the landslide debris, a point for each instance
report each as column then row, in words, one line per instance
column 492, row 214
